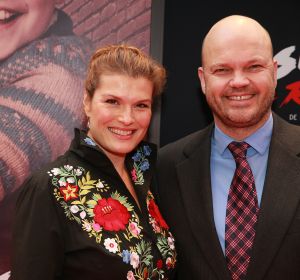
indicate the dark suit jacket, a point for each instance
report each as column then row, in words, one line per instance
column 186, row 203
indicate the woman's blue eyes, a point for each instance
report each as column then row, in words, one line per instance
column 111, row 101
column 115, row 102
column 142, row 105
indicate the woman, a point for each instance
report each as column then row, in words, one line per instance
column 90, row 214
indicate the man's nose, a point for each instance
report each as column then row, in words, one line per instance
column 239, row 79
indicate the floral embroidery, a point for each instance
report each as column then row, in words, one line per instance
column 141, row 164
column 112, row 221
column 111, row 245
column 69, row 192
column 111, row 214
column 165, row 240
column 130, row 275
column 155, row 214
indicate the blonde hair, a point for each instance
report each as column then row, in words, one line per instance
column 127, row 60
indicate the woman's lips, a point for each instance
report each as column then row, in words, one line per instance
column 7, row 17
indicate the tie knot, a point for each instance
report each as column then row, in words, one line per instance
column 238, row 149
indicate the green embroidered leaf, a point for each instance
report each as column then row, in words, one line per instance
column 76, row 202
column 139, row 175
column 84, row 192
column 83, row 200
column 127, row 237
column 88, row 176
column 122, row 200
column 163, row 246
column 90, row 182
column 86, row 187
column 90, row 212
column 67, row 210
column 97, row 196
column 57, row 194
column 77, row 220
column 54, row 181
column 91, row 203
column 144, row 250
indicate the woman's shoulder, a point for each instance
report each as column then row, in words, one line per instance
column 41, row 178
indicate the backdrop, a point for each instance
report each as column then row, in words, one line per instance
column 42, row 69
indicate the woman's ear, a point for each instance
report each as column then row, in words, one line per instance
column 87, row 104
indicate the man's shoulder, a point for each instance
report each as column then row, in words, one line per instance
column 187, row 144
column 287, row 133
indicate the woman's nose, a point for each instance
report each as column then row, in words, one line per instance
column 126, row 116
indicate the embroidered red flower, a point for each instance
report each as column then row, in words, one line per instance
column 159, row 264
column 145, row 273
column 154, row 212
column 111, row 214
column 133, row 175
column 69, row 192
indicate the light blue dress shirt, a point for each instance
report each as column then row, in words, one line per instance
column 223, row 168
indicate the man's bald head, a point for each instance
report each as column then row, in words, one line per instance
column 232, row 28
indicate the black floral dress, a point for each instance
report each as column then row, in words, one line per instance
column 75, row 219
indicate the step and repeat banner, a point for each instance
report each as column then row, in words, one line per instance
column 184, row 109
column 44, row 50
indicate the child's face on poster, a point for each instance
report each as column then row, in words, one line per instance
column 22, row 21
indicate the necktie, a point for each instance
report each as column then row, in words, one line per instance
column 241, row 214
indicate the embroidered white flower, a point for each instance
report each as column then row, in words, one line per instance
column 78, row 172
column 86, row 226
column 70, row 180
column 134, row 260
column 68, row 167
column 99, row 185
column 169, row 262
column 130, row 275
column 62, row 182
column 74, row 209
column 111, row 245
column 82, row 214
column 55, row 171
column 171, row 243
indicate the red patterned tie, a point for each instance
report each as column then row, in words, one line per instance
column 241, row 214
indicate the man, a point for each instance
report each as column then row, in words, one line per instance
column 235, row 215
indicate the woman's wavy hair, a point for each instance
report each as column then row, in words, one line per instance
column 126, row 60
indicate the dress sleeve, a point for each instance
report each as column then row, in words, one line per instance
column 38, row 248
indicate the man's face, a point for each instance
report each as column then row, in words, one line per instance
column 238, row 78
column 22, row 21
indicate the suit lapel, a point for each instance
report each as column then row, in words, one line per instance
column 279, row 203
column 194, row 180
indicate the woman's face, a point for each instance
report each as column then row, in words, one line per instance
column 119, row 113
column 22, row 21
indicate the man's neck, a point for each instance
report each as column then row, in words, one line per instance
column 240, row 133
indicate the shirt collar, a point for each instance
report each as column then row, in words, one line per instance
column 259, row 140
column 140, row 162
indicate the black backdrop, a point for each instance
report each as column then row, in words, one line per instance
column 184, row 108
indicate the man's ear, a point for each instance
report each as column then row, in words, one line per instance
column 201, row 78
column 275, row 65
